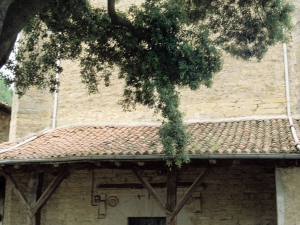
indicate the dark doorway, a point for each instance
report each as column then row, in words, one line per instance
column 146, row 221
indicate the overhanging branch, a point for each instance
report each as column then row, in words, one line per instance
column 18, row 14
column 3, row 10
column 116, row 19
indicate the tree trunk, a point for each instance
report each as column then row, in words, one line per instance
column 14, row 15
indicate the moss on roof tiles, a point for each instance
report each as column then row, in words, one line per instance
column 249, row 136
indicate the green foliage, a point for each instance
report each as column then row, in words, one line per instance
column 174, row 43
column 5, row 92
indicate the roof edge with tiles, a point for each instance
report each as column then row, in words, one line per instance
column 248, row 139
column 159, row 157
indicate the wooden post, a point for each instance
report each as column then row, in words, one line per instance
column 190, row 192
column 171, row 195
column 32, row 205
column 32, row 196
column 2, row 195
column 39, row 193
column 16, row 189
column 49, row 191
column 171, row 207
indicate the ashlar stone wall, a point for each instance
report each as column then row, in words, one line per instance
column 288, row 195
column 4, row 126
column 294, row 59
column 241, row 89
column 31, row 114
column 230, row 196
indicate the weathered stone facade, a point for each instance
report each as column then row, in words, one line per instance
column 5, row 112
column 230, row 196
column 258, row 90
column 241, row 89
column 31, row 113
column 288, row 195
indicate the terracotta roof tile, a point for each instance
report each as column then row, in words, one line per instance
column 249, row 136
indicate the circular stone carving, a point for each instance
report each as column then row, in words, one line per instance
column 113, row 201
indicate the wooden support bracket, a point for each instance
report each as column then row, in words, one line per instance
column 32, row 206
column 16, row 189
column 151, row 191
column 197, row 201
column 171, row 208
column 50, row 190
column 190, row 192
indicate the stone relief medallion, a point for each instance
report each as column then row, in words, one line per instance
column 113, row 201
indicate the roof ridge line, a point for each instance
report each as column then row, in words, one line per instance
column 25, row 141
column 39, row 133
column 130, row 124
column 157, row 124
column 236, row 119
column 137, row 124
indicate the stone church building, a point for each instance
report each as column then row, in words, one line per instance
column 5, row 112
column 79, row 159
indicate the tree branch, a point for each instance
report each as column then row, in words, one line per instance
column 18, row 14
column 116, row 19
column 3, row 10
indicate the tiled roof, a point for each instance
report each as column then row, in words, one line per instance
column 250, row 136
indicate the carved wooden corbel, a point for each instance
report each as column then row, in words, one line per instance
column 197, row 200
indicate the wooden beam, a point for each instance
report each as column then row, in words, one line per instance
column 16, row 189
column 151, row 191
column 2, row 196
column 39, row 193
column 49, row 191
column 171, row 195
column 31, row 205
column 190, row 192
column 140, row 186
column 32, row 196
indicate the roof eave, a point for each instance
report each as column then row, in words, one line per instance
column 145, row 157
